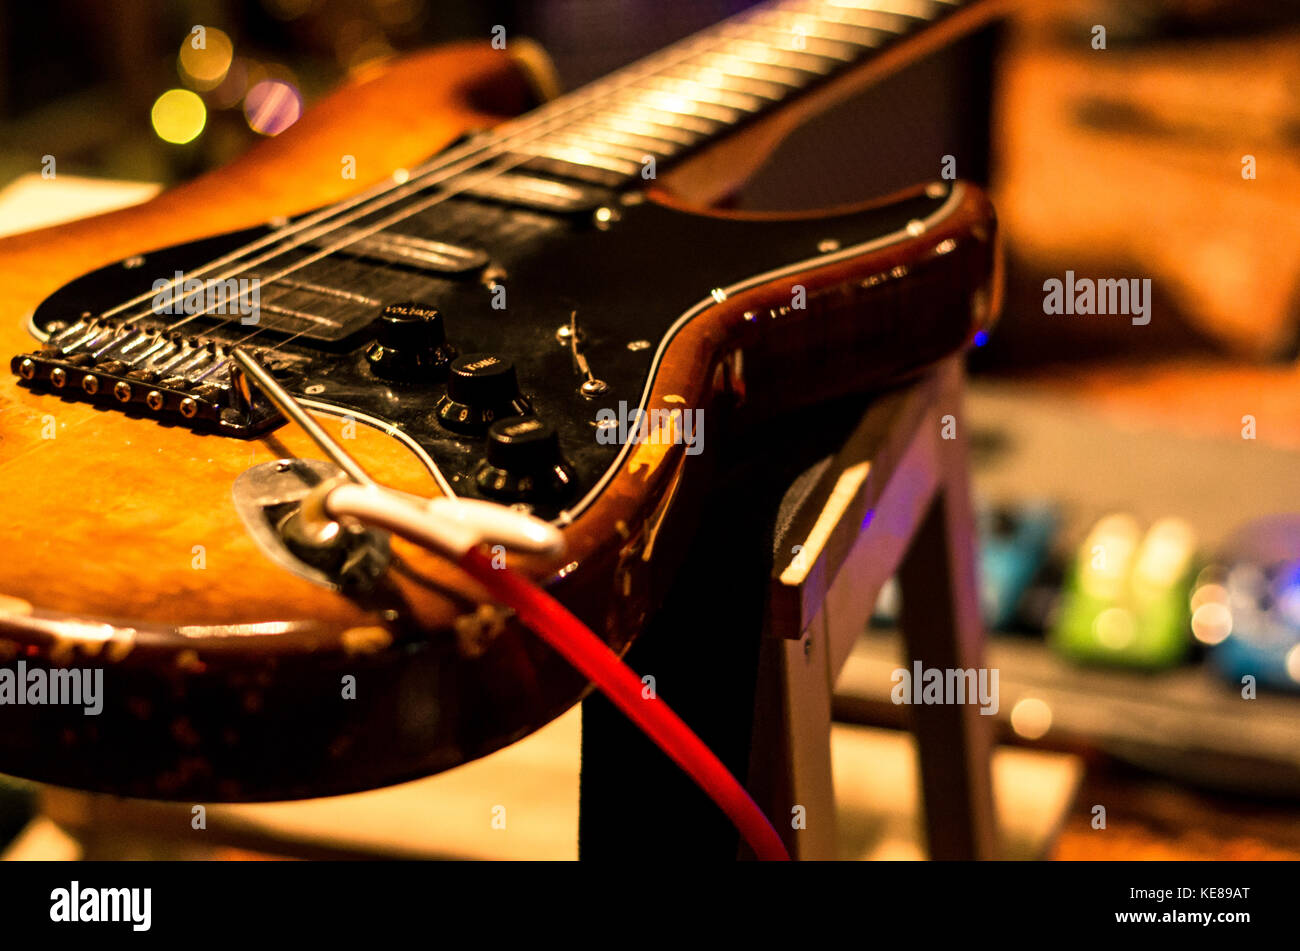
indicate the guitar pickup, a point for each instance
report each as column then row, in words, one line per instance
column 393, row 248
column 539, row 194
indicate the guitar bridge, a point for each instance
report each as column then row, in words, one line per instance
column 165, row 374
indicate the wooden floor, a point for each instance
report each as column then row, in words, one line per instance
column 451, row 816
column 1159, row 820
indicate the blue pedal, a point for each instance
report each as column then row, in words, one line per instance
column 1246, row 605
column 1014, row 543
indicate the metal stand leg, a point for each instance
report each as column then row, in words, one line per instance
column 942, row 628
column 896, row 498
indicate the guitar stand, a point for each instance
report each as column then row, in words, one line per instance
column 763, row 616
column 746, row 648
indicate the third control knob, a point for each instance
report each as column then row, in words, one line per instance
column 481, row 389
column 523, row 462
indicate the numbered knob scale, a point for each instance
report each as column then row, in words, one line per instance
column 481, row 389
column 523, row 462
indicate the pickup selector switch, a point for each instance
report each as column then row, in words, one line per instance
column 523, row 462
column 481, row 389
column 412, row 344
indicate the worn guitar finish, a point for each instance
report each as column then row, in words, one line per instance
column 223, row 671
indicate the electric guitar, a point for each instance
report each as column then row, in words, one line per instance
column 545, row 314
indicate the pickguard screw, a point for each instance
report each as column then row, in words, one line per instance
column 565, row 334
column 636, row 345
column 826, row 245
column 807, row 646
column 133, row 262
column 314, row 390
column 593, row 388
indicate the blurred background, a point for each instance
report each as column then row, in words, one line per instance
column 1162, row 683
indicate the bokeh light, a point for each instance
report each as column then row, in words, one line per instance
column 232, row 88
column 1031, row 718
column 206, row 68
column 178, row 116
column 271, row 106
column 1293, row 663
column 1212, row 622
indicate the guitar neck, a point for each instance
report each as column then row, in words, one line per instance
column 627, row 126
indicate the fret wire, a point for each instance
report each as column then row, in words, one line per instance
column 659, row 117
column 757, row 52
column 916, row 9
column 646, row 143
column 891, row 23
column 711, row 94
column 715, row 78
column 812, row 26
column 644, row 128
column 739, row 66
column 603, row 146
column 774, row 49
column 815, row 46
column 681, row 105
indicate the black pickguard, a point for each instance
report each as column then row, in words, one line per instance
column 628, row 280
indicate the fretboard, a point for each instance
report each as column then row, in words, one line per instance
column 629, row 124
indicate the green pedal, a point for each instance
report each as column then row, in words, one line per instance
column 1125, row 600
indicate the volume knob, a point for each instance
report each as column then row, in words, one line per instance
column 411, row 344
column 481, row 389
column 523, row 462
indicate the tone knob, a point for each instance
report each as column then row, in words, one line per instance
column 523, row 462
column 411, row 345
column 481, row 389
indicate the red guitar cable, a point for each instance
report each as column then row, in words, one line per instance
column 456, row 527
column 574, row 641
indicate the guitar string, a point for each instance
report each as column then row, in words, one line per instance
column 545, row 114
column 534, row 127
column 626, row 78
column 521, row 125
column 446, row 166
column 538, row 123
column 693, row 46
